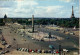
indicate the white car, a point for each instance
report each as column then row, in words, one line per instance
column 65, row 50
column 33, row 38
column 22, row 49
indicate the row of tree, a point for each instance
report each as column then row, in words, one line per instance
column 65, row 22
column 60, row 22
column 1, row 22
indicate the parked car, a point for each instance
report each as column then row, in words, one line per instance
column 39, row 51
column 45, row 51
column 57, row 29
column 30, row 50
column 72, row 33
column 27, row 50
column 33, row 51
column 0, row 48
column 41, row 40
column 19, row 49
column 8, row 46
column 67, row 37
column 49, row 51
column 2, row 39
column 3, row 42
column 65, row 50
column 2, row 52
column 14, row 39
column 33, row 38
column 6, row 51
column 37, row 40
column 36, row 50
column 42, row 51
column 22, row 49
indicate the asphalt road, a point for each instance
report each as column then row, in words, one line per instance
column 73, row 39
column 9, row 35
column 70, row 43
column 33, row 44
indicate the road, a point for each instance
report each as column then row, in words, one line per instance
column 33, row 44
column 73, row 39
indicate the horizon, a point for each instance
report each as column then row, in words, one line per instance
column 39, row 17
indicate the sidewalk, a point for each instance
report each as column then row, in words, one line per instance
column 25, row 53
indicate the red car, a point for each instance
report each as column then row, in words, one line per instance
column 30, row 50
column 57, row 52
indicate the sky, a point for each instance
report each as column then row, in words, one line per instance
column 39, row 8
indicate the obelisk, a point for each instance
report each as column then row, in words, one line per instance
column 32, row 23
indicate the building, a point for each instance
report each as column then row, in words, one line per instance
column 4, row 19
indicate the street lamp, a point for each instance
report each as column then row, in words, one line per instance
column 60, row 49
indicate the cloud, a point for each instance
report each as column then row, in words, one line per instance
column 16, row 8
column 47, row 11
column 28, row 8
column 7, row 4
column 67, row 0
column 25, row 4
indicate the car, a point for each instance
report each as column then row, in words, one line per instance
column 33, row 51
column 32, row 38
column 49, row 51
column 0, row 48
column 37, row 40
column 3, row 42
column 10, row 32
column 46, row 37
column 65, row 50
column 8, row 46
column 22, row 49
column 29, row 36
column 41, row 40
column 7, row 51
column 72, row 33
column 67, row 37
column 2, row 39
column 57, row 29
column 54, row 51
column 54, row 37
column 23, row 39
column 57, row 51
column 19, row 49
column 30, row 50
column 45, row 51
column 2, row 52
column 27, row 50
column 39, row 51
column 14, row 39
column 22, row 35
